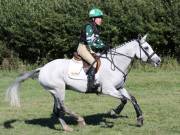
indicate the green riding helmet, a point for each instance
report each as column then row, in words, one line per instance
column 95, row 12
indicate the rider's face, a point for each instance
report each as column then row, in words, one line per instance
column 98, row 20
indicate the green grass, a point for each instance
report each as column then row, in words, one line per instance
column 157, row 91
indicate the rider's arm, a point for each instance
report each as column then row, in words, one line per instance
column 92, row 39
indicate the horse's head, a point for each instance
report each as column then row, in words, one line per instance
column 146, row 53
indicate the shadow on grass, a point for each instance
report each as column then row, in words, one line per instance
column 100, row 119
column 8, row 124
column 94, row 119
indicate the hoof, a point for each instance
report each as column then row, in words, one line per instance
column 67, row 129
column 140, row 120
column 81, row 122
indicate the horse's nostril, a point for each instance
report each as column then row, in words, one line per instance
column 158, row 61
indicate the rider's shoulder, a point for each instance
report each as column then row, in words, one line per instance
column 88, row 24
column 88, row 27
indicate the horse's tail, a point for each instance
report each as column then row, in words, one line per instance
column 12, row 91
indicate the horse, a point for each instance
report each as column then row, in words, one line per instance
column 112, row 74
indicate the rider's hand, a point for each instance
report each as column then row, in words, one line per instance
column 106, row 48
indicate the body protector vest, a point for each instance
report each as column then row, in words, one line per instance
column 83, row 38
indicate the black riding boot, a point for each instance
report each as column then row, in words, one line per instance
column 92, row 86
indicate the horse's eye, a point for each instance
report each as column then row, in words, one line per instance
column 146, row 48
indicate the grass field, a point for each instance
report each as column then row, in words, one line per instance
column 157, row 91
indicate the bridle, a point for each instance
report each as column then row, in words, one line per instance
column 141, row 48
column 114, row 52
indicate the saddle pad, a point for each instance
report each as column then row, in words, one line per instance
column 76, row 71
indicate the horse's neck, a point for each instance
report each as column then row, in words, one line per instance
column 128, row 50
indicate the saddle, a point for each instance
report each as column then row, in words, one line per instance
column 86, row 65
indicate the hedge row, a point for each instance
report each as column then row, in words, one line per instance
column 49, row 29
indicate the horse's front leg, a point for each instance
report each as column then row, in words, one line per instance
column 111, row 91
column 137, row 108
column 126, row 96
column 139, row 114
column 119, row 108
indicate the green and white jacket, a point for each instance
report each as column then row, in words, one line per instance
column 90, row 36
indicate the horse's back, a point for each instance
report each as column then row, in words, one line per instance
column 53, row 71
column 58, row 64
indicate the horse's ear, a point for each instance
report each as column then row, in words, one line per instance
column 139, row 36
column 144, row 38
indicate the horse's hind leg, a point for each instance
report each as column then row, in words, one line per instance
column 60, row 109
column 78, row 118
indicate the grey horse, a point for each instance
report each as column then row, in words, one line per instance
column 111, row 75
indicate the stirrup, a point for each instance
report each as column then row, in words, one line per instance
column 93, row 88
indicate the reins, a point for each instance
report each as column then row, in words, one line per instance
column 113, row 53
column 114, row 66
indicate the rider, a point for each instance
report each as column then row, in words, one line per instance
column 90, row 42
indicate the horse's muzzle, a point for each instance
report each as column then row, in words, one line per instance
column 155, row 61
